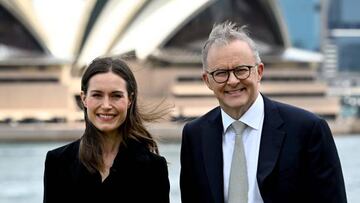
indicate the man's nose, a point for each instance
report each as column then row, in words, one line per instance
column 232, row 78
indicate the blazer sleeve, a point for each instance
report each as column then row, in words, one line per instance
column 326, row 183
column 52, row 179
column 159, row 177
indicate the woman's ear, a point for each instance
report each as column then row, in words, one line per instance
column 83, row 98
column 131, row 96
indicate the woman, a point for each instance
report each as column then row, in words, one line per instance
column 116, row 159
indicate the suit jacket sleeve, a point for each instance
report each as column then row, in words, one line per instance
column 326, row 183
column 189, row 191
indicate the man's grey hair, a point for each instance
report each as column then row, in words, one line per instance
column 223, row 34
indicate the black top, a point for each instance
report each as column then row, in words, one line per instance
column 137, row 175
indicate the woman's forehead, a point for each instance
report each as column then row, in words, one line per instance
column 109, row 79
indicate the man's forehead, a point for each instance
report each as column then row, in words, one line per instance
column 231, row 54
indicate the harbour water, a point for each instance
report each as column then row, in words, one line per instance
column 22, row 165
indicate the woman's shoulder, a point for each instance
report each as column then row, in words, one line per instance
column 140, row 152
column 65, row 151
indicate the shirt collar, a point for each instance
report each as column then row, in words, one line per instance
column 252, row 117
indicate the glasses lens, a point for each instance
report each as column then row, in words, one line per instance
column 220, row 75
column 241, row 72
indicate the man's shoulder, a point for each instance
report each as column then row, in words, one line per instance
column 210, row 115
column 288, row 110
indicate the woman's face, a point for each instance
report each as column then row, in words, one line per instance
column 106, row 101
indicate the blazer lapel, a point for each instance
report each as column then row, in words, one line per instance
column 212, row 153
column 271, row 141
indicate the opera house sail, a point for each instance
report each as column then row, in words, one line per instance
column 164, row 41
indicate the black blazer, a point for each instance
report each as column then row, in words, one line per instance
column 298, row 160
column 137, row 176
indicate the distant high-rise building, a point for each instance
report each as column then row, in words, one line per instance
column 344, row 31
column 303, row 21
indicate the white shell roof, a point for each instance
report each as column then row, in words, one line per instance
column 122, row 26
column 148, row 32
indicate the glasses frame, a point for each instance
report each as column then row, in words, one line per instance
column 249, row 67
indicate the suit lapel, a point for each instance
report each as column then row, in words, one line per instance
column 212, row 153
column 271, row 141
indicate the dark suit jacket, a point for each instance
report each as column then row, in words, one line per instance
column 298, row 160
column 137, row 176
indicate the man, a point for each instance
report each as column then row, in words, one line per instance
column 290, row 154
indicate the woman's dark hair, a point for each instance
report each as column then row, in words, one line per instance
column 90, row 152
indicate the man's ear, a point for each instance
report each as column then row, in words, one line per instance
column 260, row 71
column 83, row 99
column 205, row 78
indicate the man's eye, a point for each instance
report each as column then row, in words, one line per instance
column 220, row 73
column 241, row 71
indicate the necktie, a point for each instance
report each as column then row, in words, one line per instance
column 238, row 184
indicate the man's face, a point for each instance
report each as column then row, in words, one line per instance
column 235, row 96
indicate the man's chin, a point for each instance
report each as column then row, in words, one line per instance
column 239, row 103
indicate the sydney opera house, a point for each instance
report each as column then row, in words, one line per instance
column 45, row 46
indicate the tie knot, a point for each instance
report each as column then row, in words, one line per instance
column 238, row 127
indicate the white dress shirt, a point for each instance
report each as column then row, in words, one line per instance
column 253, row 118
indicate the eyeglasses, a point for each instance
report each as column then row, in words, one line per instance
column 222, row 75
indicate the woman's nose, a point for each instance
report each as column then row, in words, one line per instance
column 106, row 103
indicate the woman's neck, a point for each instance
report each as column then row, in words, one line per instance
column 111, row 143
column 110, row 149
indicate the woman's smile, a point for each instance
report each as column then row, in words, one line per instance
column 106, row 117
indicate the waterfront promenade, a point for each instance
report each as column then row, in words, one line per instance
column 46, row 132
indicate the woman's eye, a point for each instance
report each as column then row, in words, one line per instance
column 96, row 95
column 117, row 96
